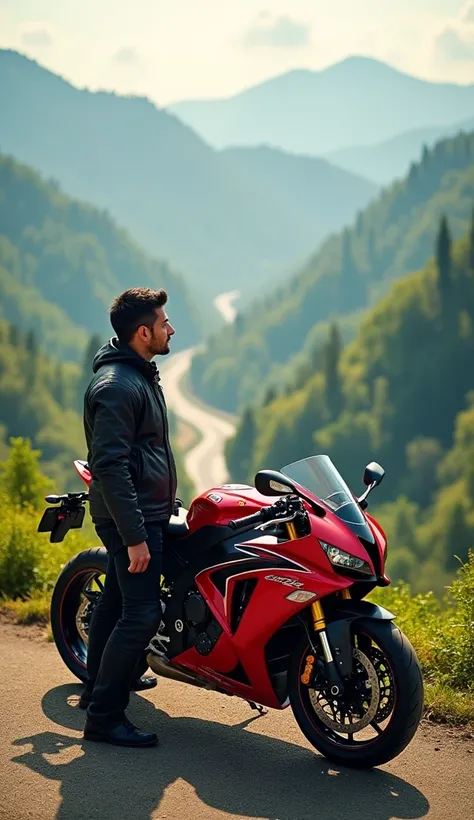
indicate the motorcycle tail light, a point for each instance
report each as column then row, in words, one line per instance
column 339, row 558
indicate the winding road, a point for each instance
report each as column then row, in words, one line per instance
column 205, row 463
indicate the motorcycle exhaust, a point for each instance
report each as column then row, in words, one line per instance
column 161, row 666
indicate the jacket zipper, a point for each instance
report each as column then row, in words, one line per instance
column 172, row 473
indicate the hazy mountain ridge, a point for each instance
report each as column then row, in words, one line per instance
column 357, row 101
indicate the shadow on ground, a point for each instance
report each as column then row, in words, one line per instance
column 231, row 770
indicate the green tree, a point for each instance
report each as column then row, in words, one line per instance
column 332, row 355
column 58, row 390
column 21, row 478
column 269, row 396
column 86, row 370
column 31, row 344
column 459, row 537
column 471, row 242
column 14, row 336
column 240, row 450
column 423, row 455
column 443, row 259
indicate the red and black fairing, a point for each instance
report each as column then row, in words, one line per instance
column 229, row 618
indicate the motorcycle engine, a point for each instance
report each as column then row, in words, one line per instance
column 202, row 628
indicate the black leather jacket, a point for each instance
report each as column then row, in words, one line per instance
column 129, row 453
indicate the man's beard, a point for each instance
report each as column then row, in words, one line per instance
column 159, row 351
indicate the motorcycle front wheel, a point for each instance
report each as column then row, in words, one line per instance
column 382, row 705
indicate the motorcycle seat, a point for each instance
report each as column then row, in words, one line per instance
column 177, row 526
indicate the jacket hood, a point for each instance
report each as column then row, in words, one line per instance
column 115, row 351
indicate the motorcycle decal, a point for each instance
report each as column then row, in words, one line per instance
column 214, row 497
column 254, row 548
column 280, row 579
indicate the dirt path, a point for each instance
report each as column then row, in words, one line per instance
column 215, row 760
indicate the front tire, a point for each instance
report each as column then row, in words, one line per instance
column 75, row 594
column 393, row 708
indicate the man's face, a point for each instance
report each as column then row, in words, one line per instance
column 160, row 334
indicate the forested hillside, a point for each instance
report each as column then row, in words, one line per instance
column 350, row 272
column 62, row 262
column 402, row 393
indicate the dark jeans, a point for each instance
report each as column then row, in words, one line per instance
column 123, row 622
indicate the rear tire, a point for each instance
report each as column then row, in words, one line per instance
column 66, row 601
column 406, row 680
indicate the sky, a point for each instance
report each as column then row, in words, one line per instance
column 171, row 50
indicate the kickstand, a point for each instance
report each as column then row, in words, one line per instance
column 260, row 709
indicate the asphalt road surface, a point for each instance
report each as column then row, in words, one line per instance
column 215, row 759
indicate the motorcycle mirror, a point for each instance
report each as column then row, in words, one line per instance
column 373, row 474
column 271, row 482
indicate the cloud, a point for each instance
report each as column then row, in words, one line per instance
column 126, row 56
column 455, row 42
column 282, row 32
column 37, row 34
column 452, row 45
column 467, row 12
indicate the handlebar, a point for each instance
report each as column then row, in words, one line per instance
column 256, row 518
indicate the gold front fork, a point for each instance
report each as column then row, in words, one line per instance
column 319, row 625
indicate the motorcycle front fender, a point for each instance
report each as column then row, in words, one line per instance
column 338, row 627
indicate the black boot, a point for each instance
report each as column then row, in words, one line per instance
column 121, row 734
column 139, row 685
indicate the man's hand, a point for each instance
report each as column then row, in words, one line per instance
column 139, row 556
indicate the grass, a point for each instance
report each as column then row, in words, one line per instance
column 444, row 704
column 34, row 610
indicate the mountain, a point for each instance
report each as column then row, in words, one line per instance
column 214, row 218
column 350, row 272
column 389, row 160
column 402, row 393
column 62, row 262
column 358, row 101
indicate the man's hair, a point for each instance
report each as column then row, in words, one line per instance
column 135, row 307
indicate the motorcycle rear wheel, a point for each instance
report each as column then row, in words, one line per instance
column 75, row 594
column 385, row 693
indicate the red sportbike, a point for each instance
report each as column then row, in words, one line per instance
column 266, row 602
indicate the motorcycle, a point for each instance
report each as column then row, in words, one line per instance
column 268, row 606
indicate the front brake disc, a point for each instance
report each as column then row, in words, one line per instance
column 321, row 703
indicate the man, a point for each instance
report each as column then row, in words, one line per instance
column 131, row 496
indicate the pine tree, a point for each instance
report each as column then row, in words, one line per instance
column 334, row 397
column 59, row 386
column 443, row 259
column 471, row 243
column 86, row 373
column 240, row 450
column 270, row 395
column 14, row 336
column 458, row 537
column 31, row 343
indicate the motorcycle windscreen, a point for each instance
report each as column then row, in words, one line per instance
column 318, row 475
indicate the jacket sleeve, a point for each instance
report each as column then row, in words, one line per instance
column 115, row 408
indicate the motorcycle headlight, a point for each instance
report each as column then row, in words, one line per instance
column 343, row 559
